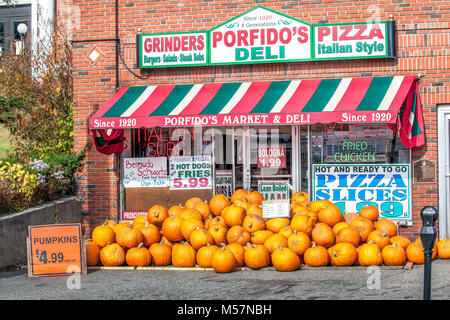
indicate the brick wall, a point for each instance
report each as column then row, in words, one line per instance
column 423, row 42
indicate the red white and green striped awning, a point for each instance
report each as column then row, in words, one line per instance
column 347, row 100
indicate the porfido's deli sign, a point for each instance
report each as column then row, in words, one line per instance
column 262, row 35
column 351, row 187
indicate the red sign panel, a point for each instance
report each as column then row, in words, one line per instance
column 273, row 156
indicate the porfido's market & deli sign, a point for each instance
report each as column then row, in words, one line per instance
column 262, row 35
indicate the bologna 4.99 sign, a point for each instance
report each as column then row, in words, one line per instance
column 350, row 187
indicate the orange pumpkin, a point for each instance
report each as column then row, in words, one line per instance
column 316, row 256
column 200, row 237
column 161, row 253
column 253, row 223
column 387, row 226
column 171, row 228
column 214, row 220
column 151, row 234
column 218, row 203
column 157, row 214
column 317, row 205
column 340, row 225
column 237, row 234
column 299, row 198
column 393, row 255
column 276, row 224
column 302, row 223
column 349, row 217
column 378, row 237
column 238, row 251
column 255, row 197
column 443, row 249
column 330, row 215
column 285, row 259
column 299, row 242
column 415, row 254
column 139, row 220
column 260, row 236
column 286, row 231
column 241, row 203
column 138, row 256
column 342, row 254
column 254, row 208
column 233, row 215
column 348, row 234
column 418, row 241
column 112, row 255
column 191, row 213
column 190, row 203
column 256, row 256
column 218, row 233
column 129, row 237
column 203, row 208
column 400, row 241
column 110, row 223
column 223, row 260
column 323, row 235
column 189, row 225
column 299, row 209
column 369, row 254
column 167, row 242
column 117, row 227
column 205, row 254
column 175, row 210
column 369, row 212
column 363, row 226
column 239, row 194
column 102, row 235
column 92, row 253
column 275, row 241
column 183, row 255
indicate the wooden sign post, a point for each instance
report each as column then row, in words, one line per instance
column 55, row 250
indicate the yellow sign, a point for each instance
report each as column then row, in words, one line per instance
column 55, row 250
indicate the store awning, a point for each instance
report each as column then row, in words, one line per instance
column 347, row 100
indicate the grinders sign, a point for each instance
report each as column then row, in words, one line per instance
column 55, row 250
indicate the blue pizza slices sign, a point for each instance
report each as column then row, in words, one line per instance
column 350, row 187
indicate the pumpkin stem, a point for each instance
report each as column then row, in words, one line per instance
column 140, row 245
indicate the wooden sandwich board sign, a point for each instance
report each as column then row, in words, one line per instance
column 55, row 250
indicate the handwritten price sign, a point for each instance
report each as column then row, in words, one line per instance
column 55, row 250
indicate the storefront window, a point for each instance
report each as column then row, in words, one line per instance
column 354, row 143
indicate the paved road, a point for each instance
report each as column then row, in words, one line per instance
column 346, row 283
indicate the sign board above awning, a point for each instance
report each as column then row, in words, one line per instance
column 347, row 100
column 262, row 35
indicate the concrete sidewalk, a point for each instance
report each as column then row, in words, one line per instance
column 324, row 283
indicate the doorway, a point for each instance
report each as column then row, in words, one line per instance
column 256, row 156
column 444, row 170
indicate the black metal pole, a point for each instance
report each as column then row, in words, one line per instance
column 427, row 275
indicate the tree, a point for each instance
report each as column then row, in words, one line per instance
column 36, row 99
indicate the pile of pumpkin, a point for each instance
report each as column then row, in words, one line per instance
column 231, row 232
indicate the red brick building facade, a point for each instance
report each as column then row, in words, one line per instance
column 110, row 26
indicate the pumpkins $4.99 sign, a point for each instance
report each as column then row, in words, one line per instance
column 55, row 250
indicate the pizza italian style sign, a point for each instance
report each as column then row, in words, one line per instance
column 262, row 35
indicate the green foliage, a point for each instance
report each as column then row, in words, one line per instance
column 36, row 99
column 37, row 181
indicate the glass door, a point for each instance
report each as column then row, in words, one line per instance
column 444, row 170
